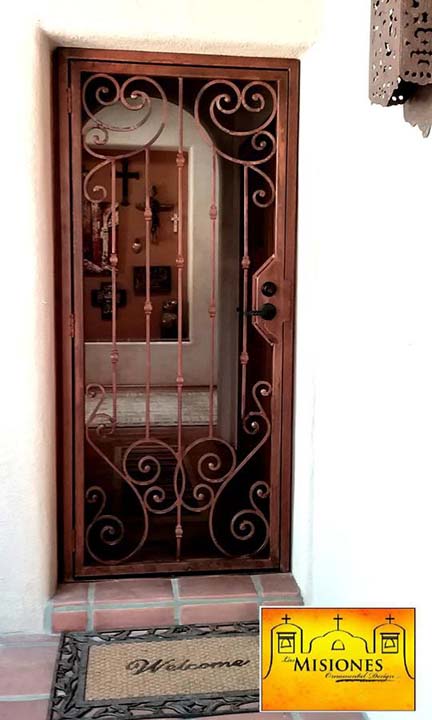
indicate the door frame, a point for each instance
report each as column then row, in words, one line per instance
column 64, row 60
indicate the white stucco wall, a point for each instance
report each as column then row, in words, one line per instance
column 28, row 555
column 362, row 506
column 364, row 393
column 278, row 27
column 27, row 480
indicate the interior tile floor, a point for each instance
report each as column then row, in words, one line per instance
column 131, row 406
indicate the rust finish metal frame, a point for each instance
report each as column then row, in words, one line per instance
column 68, row 62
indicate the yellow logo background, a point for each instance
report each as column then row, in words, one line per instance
column 337, row 659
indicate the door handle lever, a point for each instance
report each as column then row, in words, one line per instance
column 266, row 312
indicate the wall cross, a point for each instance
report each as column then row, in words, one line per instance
column 125, row 176
column 103, row 299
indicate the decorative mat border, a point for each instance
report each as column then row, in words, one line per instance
column 67, row 694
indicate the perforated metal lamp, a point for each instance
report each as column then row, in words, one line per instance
column 401, row 57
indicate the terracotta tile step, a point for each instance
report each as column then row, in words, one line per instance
column 115, row 604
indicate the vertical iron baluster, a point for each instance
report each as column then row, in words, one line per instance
column 114, row 263
column 148, row 304
column 245, row 263
column 180, row 161
column 212, row 305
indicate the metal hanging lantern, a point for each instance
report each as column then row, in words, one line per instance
column 401, row 58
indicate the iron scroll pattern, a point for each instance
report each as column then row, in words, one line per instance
column 134, row 95
column 213, row 460
column 262, row 140
column 68, row 691
column 213, row 463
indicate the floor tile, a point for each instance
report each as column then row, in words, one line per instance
column 216, row 586
column 70, row 594
column 290, row 600
column 279, row 584
column 163, row 406
column 224, row 612
column 20, row 639
column 143, row 590
column 30, row 710
column 68, row 621
column 26, row 670
column 120, row 619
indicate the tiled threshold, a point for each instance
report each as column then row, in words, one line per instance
column 115, row 604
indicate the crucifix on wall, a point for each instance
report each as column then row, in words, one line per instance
column 102, row 299
column 156, row 208
column 125, row 176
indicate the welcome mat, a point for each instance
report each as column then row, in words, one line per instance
column 177, row 671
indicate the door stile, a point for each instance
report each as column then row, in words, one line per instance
column 79, row 341
column 63, row 292
column 278, row 356
column 288, row 327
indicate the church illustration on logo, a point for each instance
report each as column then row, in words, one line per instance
column 339, row 651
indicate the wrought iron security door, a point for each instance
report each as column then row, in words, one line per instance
column 183, row 224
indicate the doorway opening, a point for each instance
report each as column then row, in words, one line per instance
column 178, row 187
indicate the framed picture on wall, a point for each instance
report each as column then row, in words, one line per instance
column 160, row 279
